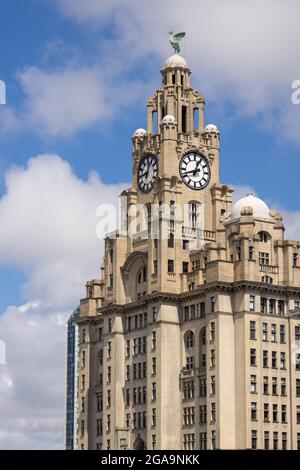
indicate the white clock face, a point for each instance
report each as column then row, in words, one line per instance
column 147, row 173
column 194, row 170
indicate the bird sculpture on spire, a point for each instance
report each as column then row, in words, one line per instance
column 175, row 40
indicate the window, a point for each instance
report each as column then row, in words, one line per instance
column 212, row 304
column 252, row 330
column 100, row 331
column 283, row 386
column 134, row 396
column 155, row 267
column 213, row 412
column 213, row 385
column 144, row 347
column 135, row 346
column 190, row 362
column 109, row 325
column 153, row 417
column 128, row 348
column 274, row 385
column 153, row 441
column 212, row 358
column 203, row 440
column 252, row 357
column 266, row 412
column 251, row 303
column 265, row 358
column 108, row 374
column 189, row 441
column 275, row 413
column 170, row 266
column 263, row 305
column 189, row 416
column 283, row 413
column 282, row 334
column 282, row 360
column 274, row 360
column 185, row 267
column 297, row 333
column 99, row 427
column 153, row 366
column 127, row 400
column 265, row 332
column 154, row 313
column 153, row 340
column 185, row 244
column 82, row 427
column 153, row 391
column 280, row 307
column 189, row 339
column 266, row 385
column 83, row 359
column 273, row 333
column 144, row 394
column 253, row 411
column 297, row 387
column 108, row 399
column 108, row 349
column 212, row 331
column 111, row 280
column 82, row 404
column 253, row 439
column 275, row 440
column 171, row 240
column 263, row 237
column 295, row 259
column 298, row 414
column 267, row 280
column 284, row 441
column 296, row 304
column 188, row 390
column 202, row 411
column 213, row 439
column 82, row 382
column 99, row 405
column 253, row 384
column 108, row 424
column 272, row 305
column 264, row 258
column 202, row 388
column 251, row 253
column 83, row 335
column 267, row 440
column 127, row 373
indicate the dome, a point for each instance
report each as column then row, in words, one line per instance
column 176, row 61
column 259, row 207
column 140, row 133
column 211, row 128
column 168, row 119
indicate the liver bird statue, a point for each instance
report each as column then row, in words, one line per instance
column 175, row 39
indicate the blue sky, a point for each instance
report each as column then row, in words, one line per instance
column 78, row 76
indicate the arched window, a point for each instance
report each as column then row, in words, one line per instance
column 189, row 339
column 263, row 236
column 267, row 280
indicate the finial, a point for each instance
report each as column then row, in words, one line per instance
column 175, row 39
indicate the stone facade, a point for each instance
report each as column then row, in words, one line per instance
column 189, row 339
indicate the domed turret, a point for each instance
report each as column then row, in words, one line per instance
column 259, row 208
column 176, row 60
column 212, row 128
column 140, row 133
column 168, row 119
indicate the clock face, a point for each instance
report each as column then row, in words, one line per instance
column 147, row 173
column 194, row 170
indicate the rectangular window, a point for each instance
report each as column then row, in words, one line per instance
column 108, row 374
column 202, row 388
column 153, row 340
column 263, row 305
column 212, row 331
column 297, row 333
column 212, row 358
column 267, row 440
column 128, row 348
column 283, row 413
column 280, row 307
column 275, row 413
column 153, row 441
column 251, row 253
column 298, row 414
column 153, row 417
column 264, row 258
column 275, row 440
column 274, row 360
column 170, row 266
column 213, row 440
column 213, row 385
column 212, row 304
column 253, row 411
column 273, row 333
column 282, row 334
column 272, row 305
column 266, row 385
column 185, row 267
column 252, row 330
column 190, row 362
column 284, row 441
column 154, row 313
column 265, row 358
column 202, row 411
column 282, row 360
column 253, row 384
column 253, row 439
column 274, row 385
column 252, row 357
column 266, row 412
column 251, row 303
column 283, row 386
column 297, row 387
column 213, row 412
column 265, row 331
column 109, row 350
column 185, row 244
column 153, row 391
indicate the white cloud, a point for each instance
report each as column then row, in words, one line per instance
column 242, row 52
column 48, row 219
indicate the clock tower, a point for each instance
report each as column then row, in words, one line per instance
column 195, row 300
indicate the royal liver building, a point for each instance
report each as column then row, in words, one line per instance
column 190, row 339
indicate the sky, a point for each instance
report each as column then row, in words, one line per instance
column 78, row 75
